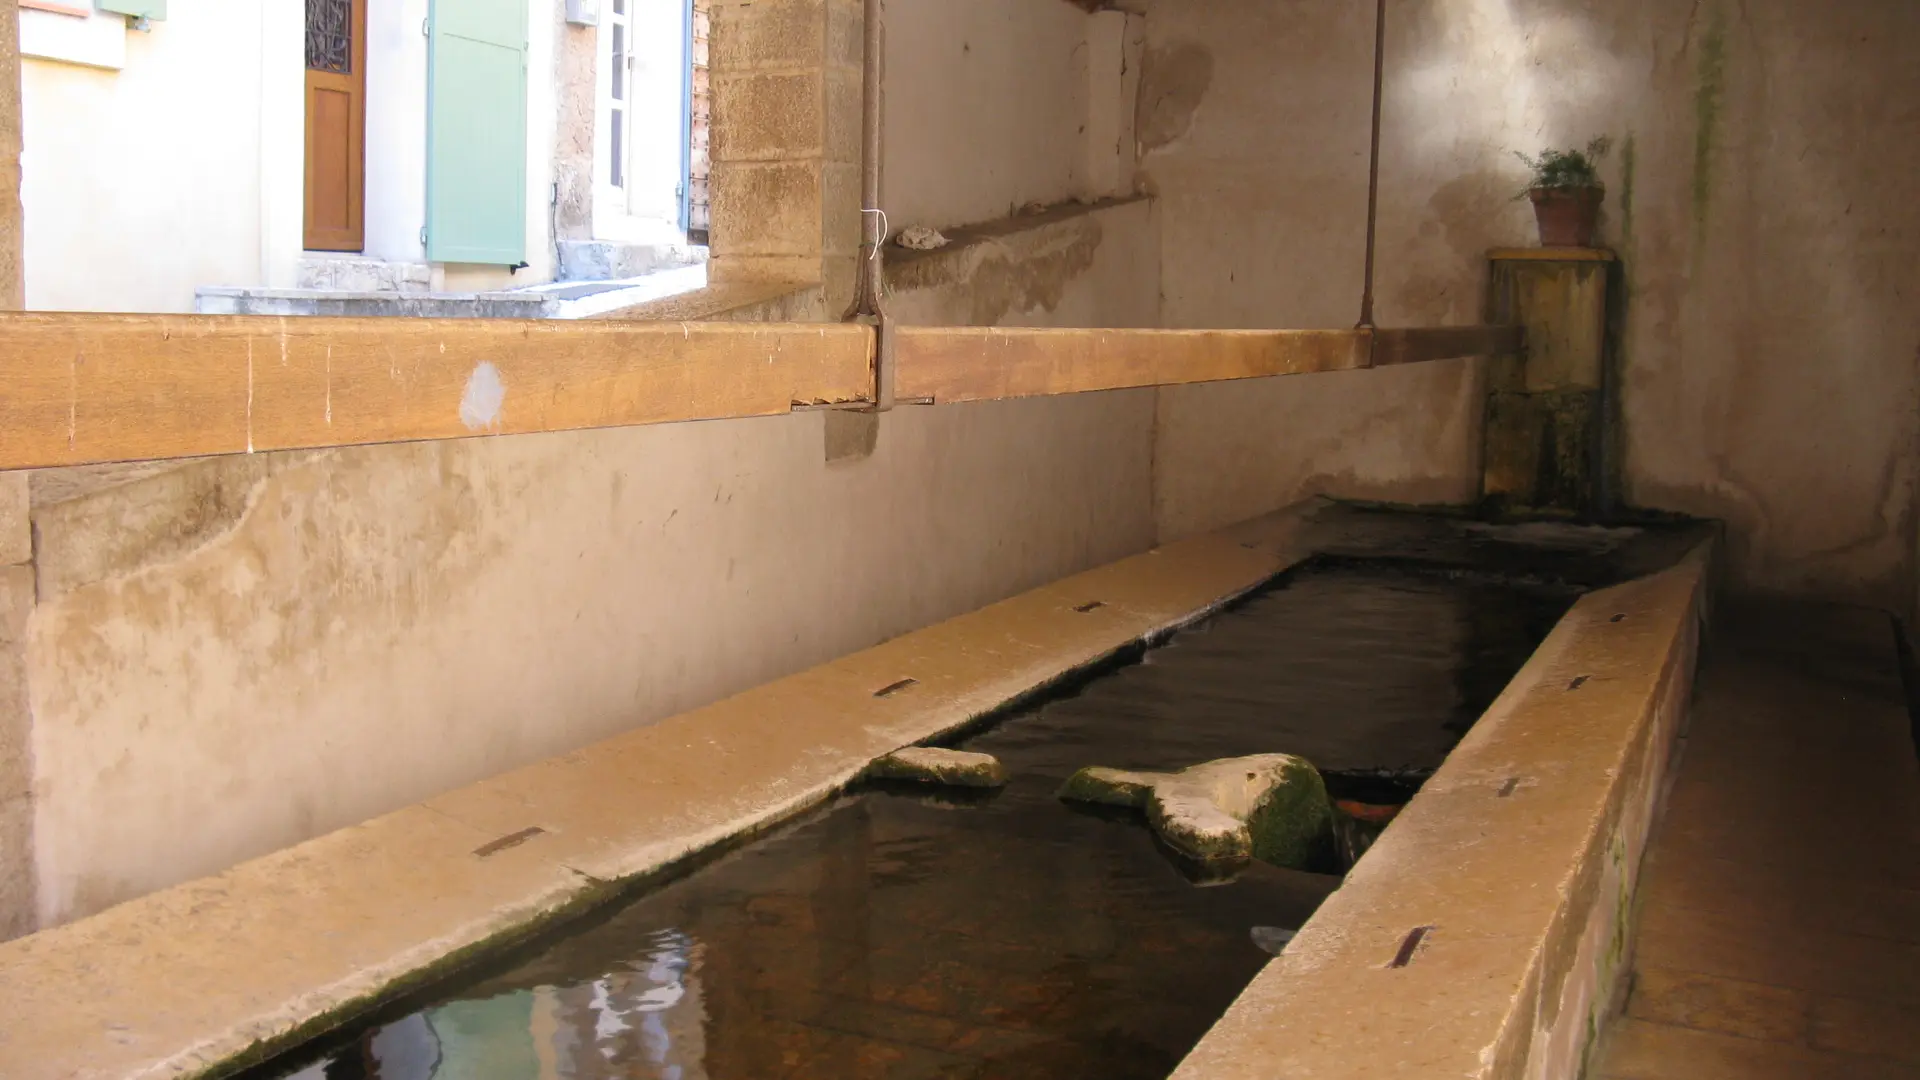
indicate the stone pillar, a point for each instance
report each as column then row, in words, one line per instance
column 1547, row 448
column 785, row 143
column 17, row 899
column 576, row 51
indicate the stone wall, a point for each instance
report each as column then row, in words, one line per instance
column 1769, row 336
column 575, row 62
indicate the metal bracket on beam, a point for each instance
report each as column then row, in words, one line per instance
column 885, row 356
column 885, row 369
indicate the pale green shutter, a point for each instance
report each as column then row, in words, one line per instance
column 477, row 132
column 140, row 9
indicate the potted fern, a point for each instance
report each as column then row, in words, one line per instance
column 1566, row 193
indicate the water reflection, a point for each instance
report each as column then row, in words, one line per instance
column 643, row 1021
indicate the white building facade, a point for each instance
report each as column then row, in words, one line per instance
column 368, row 145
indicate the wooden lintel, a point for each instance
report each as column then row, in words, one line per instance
column 1415, row 346
column 949, row 364
column 79, row 389
column 955, row 364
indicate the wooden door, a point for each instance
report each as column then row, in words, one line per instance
column 336, row 124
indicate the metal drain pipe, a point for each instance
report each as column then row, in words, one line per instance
column 870, row 276
column 1373, row 161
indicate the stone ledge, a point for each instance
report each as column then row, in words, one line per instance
column 502, row 304
column 734, row 301
column 908, row 262
column 1485, row 933
column 996, row 269
column 202, row 978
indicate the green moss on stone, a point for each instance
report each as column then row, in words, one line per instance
column 932, row 765
column 1629, row 153
column 1709, row 93
column 1292, row 826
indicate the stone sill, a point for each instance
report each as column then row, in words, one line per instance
column 907, row 262
column 229, row 291
column 716, row 299
column 228, row 300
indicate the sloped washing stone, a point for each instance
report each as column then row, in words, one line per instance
column 933, row 765
column 1271, row 807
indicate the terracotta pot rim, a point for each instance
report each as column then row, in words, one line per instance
column 1538, row 193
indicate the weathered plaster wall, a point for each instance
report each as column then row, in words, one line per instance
column 984, row 108
column 1773, row 336
column 1770, row 334
column 308, row 642
column 1252, row 127
column 994, row 105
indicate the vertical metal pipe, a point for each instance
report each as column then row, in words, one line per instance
column 867, row 288
column 1373, row 161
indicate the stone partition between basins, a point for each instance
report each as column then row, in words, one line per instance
column 1487, row 934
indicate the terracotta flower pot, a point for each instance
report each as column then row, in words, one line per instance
column 1567, row 216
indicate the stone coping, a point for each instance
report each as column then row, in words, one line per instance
column 908, row 269
column 961, row 237
column 1484, row 934
column 505, row 296
column 718, row 298
column 215, row 974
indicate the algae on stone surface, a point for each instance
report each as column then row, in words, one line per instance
column 1272, row 807
column 934, row 765
column 1110, row 787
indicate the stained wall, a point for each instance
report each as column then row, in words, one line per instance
column 1768, row 331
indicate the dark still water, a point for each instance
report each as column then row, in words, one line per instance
column 914, row 937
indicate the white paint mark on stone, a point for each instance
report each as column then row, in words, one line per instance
column 73, row 397
column 329, row 386
column 480, row 405
column 283, row 346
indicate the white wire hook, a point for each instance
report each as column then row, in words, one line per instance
column 875, row 253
